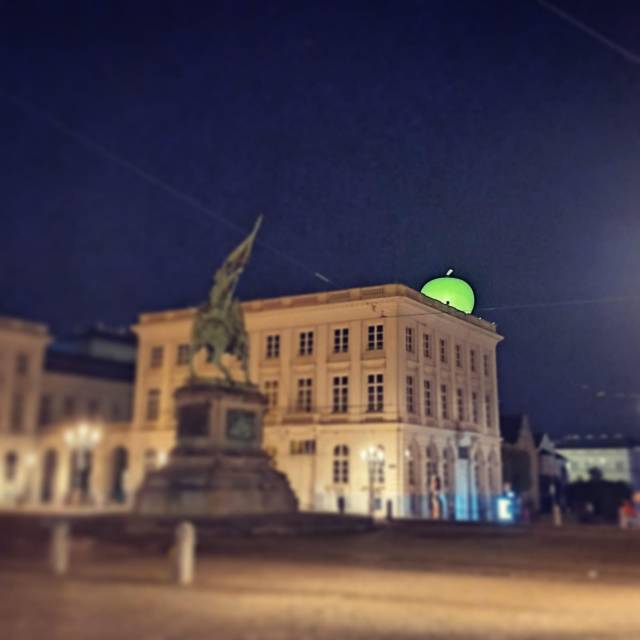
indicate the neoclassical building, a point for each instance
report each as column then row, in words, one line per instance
column 379, row 400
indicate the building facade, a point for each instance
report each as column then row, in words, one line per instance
column 615, row 457
column 379, row 398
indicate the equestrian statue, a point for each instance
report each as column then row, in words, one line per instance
column 219, row 323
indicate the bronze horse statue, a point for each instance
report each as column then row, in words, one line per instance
column 219, row 323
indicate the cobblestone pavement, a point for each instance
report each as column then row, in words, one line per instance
column 383, row 585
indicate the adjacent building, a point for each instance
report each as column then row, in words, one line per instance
column 615, row 457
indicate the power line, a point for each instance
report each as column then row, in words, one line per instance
column 148, row 177
column 628, row 55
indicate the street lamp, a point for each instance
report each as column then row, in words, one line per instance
column 81, row 439
column 374, row 457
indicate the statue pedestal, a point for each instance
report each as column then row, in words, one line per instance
column 218, row 467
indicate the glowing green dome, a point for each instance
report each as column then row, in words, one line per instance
column 452, row 291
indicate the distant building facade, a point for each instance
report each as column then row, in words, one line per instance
column 615, row 457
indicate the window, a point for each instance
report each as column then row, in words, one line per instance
column 378, row 473
column 273, row 346
column 460, row 402
column 153, row 404
column 487, row 407
column 411, row 468
column 69, row 407
column 116, row 413
column 444, row 401
column 485, row 364
column 156, row 357
column 22, row 364
column 306, row 343
column 431, row 469
column 443, row 351
column 472, row 360
column 340, row 394
column 428, row 401
column 183, row 354
column 408, row 339
column 271, row 393
column 375, row 392
column 458, row 356
column 341, row 340
column 302, row 447
column 447, row 469
column 304, row 398
column 10, row 466
column 375, row 337
column 93, row 408
column 411, row 407
column 341, row 464
column 17, row 413
column 46, row 406
column 426, row 345
column 474, row 407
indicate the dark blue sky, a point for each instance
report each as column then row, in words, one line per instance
column 383, row 141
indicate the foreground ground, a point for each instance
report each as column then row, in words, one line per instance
column 407, row 582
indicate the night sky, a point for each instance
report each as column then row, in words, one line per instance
column 383, row 141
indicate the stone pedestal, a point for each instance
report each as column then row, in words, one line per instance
column 218, row 467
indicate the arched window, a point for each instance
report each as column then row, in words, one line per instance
column 10, row 466
column 341, row 464
column 412, row 465
column 447, row 471
column 432, row 482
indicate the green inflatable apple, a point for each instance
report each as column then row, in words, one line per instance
column 452, row 291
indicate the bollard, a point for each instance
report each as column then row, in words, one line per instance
column 557, row 516
column 59, row 548
column 185, row 556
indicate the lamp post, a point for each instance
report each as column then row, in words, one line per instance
column 374, row 457
column 81, row 440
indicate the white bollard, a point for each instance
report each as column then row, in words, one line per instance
column 59, row 548
column 557, row 516
column 185, row 556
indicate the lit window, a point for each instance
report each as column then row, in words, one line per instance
column 340, row 394
column 304, row 397
column 153, row 404
column 426, row 345
column 444, row 401
column 341, row 340
column 183, row 354
column 474, row 407
column 410, row 395
column 156, row 357
column 408, row 339
column 472, row 360
column 375, row 392
column 443, row 351
column 306, row 343
column 341, row 464
column 428, row 401
column 271, row 393
column 273, row 346
column 375, row 337
column 460, row 399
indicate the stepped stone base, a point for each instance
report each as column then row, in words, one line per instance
column 218, row 467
